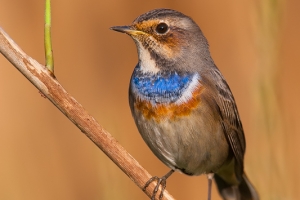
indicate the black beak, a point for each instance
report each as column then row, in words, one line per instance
column 127, row 29
column 122, row 29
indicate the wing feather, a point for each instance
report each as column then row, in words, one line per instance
column 225, row 104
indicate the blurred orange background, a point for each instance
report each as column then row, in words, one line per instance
column 44, row 156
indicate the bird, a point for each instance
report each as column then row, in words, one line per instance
column 182, row 105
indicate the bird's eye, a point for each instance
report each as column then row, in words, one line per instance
column 162, row 28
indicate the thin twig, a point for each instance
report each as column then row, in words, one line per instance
column 42, row 79
column 47, row 37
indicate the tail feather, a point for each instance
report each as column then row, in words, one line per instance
column 244, row 191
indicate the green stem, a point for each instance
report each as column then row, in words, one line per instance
column 47, row 37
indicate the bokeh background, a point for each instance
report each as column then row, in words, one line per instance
column 44, row 156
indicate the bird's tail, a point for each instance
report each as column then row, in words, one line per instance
column 244, row 191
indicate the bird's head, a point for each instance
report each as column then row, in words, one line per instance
column 167, row 40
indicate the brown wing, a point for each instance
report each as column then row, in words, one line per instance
column 224, row 103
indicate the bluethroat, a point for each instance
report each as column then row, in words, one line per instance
column 182, row 105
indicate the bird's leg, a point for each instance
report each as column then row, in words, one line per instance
column 160, row 181
column 210, row 177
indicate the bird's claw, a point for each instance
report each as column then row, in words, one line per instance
column 160, row 181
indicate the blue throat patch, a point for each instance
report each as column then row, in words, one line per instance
column 163, row 87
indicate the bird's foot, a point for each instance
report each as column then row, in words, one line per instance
column 160, row 182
